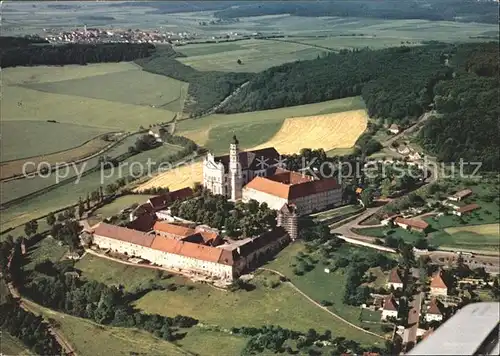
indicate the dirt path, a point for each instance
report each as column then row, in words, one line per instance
column 319, row 305
column 27, row 305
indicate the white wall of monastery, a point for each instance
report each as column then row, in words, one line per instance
column 272, row 201
column 439, row 291
column 318, row 202
column 119, row 246
column 433, row 317
column 389, row 313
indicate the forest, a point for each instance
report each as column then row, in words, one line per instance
column 18, row 53
column 396, row 83
column 433, row 10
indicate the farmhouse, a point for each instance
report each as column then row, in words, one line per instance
column 394, row 129
column 458, row 196
column 390, row 308
column 394, row 280
column 434, row 311
column 438, row 285
column 413, row 224
column 227, row 174
column 155, row 204
column 466, row 209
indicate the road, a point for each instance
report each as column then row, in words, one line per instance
column 409, row 130
column 27, row 305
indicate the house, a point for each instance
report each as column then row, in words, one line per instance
column 458, row 196
column 388, row 218
column 434, row 311
column 162, row 201
column 306, row 193
column 438, row 285
column 394, row 279
column 411, row 224
column 395, row 129
column 390, row 307
column 466, row 209
column 415, row 156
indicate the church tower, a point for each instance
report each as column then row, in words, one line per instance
column 288, row 219
column 235, row 170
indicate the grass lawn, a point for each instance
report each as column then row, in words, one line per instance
column 47, row 248
column 321, row 286
column 114, row 273
column 49, row 137
column 121, row 203
column 255, row 55
column 11, row 346
column 340, row 152
column 207, row 343
column 369, row 315
column 67, row 194
column 337, row 212
column 262, row 306
column 255, row 128
column 91, row 339
column 132, row 86
column 380, row 277
column 379, row 232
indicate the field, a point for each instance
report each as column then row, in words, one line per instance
column 255, row 55
column 119, row 204
column 396, row 232
column 258, row 127
column 9, row 345
column 91, row 339
column 105, row 98
column 176, row 178
column 476, row 237
column 67, row 194
column 336, row 214
column 207, row 343
column 488, row 229
column 50, row 137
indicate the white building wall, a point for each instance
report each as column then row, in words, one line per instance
column 272, row 201
column 214, row 176
column 119, row 246
column 395, row 285
column 439, row 291
column 389, row 313
column 433, row 317
column 317, row 202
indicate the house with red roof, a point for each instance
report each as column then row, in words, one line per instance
column 433, row 312
column 466, row 209
column 411, row 224
column 390, row 308
column 394, row 279
column 438, row 285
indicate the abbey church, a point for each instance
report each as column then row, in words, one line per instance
column 259, row 175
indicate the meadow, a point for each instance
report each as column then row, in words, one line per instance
column 255, row 55
column 49, row 137
column 119, row 204
column 9, row 345
column 91, row 339
column 47, row 249
column 67, row 194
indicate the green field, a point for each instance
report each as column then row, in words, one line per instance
column 397, row 232
column 91, row 339
column 255, row 55
column 321, row 286
column 336, row 213
column 207, row 343
column 67, row 194
column 49, row 138
column 132, row 86
column 254, row 128
column 121, row 203
column 105, row 97
column 11, row 346
column 47, row 249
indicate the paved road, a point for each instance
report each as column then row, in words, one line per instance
column 319, row 305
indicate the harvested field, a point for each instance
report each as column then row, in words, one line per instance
column 50, row 138
column 177, row 178
column 11, row 168
column 339, row 130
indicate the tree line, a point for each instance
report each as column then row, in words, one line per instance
column 72, row 53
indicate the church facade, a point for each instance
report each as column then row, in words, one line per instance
column 226, row 175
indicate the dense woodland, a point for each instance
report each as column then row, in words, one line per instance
column 29, row 55
column 396, row 83
column 206, row 89
column 433, row 10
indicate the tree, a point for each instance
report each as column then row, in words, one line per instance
column 81, row 208
column 239, row 61
column 31, row 227
column 367, row 197
column 51, row 219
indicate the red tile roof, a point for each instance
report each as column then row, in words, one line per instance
column 415, row 223
column 250, row 159
column 438, row 281
column 467, row 208
column 142, row 223
column 463, row 193
column 178, row 230
column 123, row 234
column 291, row 191
column 390, row 303
column 394, row 276
column 162, row 201
column 434, row 307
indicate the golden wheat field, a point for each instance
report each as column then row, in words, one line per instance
column 338, row 130
column 486, row 229
column 176, row 178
